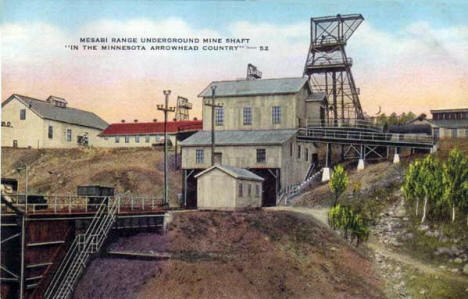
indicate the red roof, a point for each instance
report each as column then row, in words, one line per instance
column 151, row 128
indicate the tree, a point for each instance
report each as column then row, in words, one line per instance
column 350, row 222
column 455, row 178
column 338, row 182
column 412, row 185
column 431, row 175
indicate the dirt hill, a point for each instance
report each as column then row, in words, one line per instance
column 59, row 171
column 256, row 254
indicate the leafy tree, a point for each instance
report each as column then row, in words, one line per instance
column 350, row 222
column 455, row 178
column 412, row 185
column 431, row 175
column 338, row 182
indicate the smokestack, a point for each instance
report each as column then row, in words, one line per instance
column 135, row 120
column 155, row 120
column 174, row 119
column 195, row 118
column 122, row 121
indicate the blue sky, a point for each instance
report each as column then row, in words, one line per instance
column 387, row 15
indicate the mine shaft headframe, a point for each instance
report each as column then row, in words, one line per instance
column 334, row 30
column 182, row 109
column 253, row 73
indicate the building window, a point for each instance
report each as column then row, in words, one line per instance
column 247, row 116
column 241, row 191
column 51, row 132
column 137, row 139
column 199, row 156
column 219, row 116
column 261, row 155
column 127, row 139
column 257, row 190
column 117, row 139
column 147, row 138
column 436, row 132
column 454, row 133
column 466, row 132
column 291, row 149
column 298, row 151
column 69, row 135
column 276, row 114
column 15, row 143
column 306, row 154
column 249, row 190
column 23, row 114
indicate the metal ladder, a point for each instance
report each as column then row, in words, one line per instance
column 83, row 246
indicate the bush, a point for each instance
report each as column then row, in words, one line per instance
column 352, row 224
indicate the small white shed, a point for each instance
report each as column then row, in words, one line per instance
column 222, row 187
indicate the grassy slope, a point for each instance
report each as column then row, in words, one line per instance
column 59, row 171
column 256, row 254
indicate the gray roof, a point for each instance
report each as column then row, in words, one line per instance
column 449, row 110
column 238, row 173
column 243, row 137
column 68, row 115
column 317, row 96
column 451, row 123
column 238, row 88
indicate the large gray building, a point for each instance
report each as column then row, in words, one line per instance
column 255, row 128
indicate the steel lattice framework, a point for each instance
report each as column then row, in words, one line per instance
column 329, row 68
column 182, row 109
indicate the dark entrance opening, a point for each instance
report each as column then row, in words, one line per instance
column 270, row 184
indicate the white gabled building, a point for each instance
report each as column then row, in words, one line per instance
column 50, row 123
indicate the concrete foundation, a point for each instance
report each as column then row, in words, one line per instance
column 396, row 158
column 326, row 174
column 360, row 165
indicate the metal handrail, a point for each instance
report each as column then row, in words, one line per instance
column 365, row 136
column 81, row 249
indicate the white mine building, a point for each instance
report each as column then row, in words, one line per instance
column 255, row 129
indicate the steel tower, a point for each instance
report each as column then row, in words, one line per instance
column 329, row 68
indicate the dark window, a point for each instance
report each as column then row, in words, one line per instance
column 15, row 143
column 298, row 151
column 291, row 149
column 147, row 138
column 199, row 156
column 127, row 139
column 51, row 132
column 219, row 116
column 261, row 155
column 240, row 190
column 436, row 132
column 247, row 116
column 466, row 132
column 23, row 114
column 218, row 158
column 276, row 114
column 307, row 154
column 257, row 190
column 137, row 139
column 117, row 139
column 249, row 190
column 454, row 133
column 69, row 135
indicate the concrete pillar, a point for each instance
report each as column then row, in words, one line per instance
column 396, row 158
column 360, row 165
column 326, row 174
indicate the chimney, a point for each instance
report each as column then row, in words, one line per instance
column 122, row 121
column 195, row 118
column 155, row 120
column 174, row 119
column 135, row 120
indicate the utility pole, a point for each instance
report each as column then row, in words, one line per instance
column 213, row 106
column 165, row 109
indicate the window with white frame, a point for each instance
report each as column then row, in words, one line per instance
column 137, row 139
column 199, row 156
column 240, row 190
column 276, row 114
column 127, row 139
column 249, row 190
column 261, row 155
column 50, row 132
column 147, row 138
column 69, row 135
column 247, row 116
column 22, row 114
column 117, row 139
column 257, row 190
column 219, row 116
